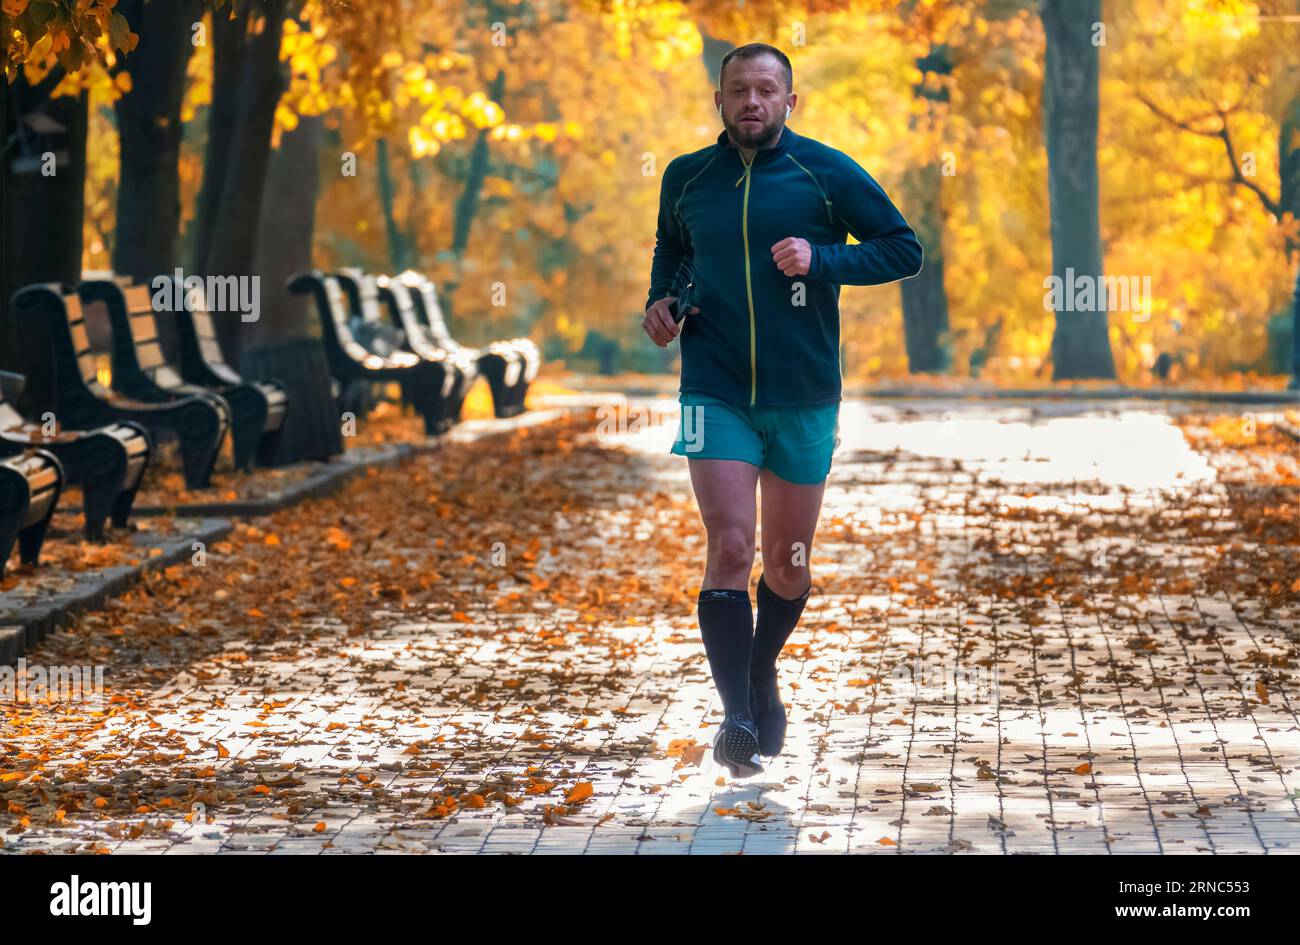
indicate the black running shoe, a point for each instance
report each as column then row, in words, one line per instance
column 736, row 746
column 769, row 715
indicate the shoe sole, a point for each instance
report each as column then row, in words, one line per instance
column 737, row 769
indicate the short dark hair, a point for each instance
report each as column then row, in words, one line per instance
column 754, row 50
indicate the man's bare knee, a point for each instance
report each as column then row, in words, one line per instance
column 731, row 553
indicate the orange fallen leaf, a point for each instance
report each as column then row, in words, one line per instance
column 578, row 793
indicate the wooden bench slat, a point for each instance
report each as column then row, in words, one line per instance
column 9, row 417
column 149, row 355
column 203, row 323
column 47, row 477
column 27, row 465
column 80, row 339
column 138, row 299
column 167, row 377
column 144, row 327
column 211, row 351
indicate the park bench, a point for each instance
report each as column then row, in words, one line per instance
column 351, row 363
column 429, row 389
column 109, row 463
column 29, row 491
column 198, row 421
column 364, row 317
column 459, row 366
column 509, row 366
column 203, row 364
column 140, row 369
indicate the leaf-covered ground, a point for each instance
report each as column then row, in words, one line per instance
column 1034, row 630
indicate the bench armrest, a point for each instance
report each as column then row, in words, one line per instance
column 12, row 384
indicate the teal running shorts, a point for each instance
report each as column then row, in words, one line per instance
column 796, row 443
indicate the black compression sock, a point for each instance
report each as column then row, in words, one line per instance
column 777, row 617
column 727, row 626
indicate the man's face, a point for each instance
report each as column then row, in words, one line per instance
column 753, row 100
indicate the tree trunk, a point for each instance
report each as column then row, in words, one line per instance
column 311, row 425
column 1295, row 334
column 416, row 171
column 1288, row 155
column 467, row 205
column 398, row 247
column 149, row 130
column 715, row 50
column 1080, row 343
column 247, row 83
column 285, row 233
column 925, row 298
column 42, row 215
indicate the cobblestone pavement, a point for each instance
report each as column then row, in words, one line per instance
column 1025, row 637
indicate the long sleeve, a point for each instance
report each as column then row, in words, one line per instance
column 887, row 247
column 674, row 259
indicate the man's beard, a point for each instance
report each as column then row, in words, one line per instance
column 755, row 137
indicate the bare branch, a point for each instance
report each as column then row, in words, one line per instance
column 1184, row 124
column 1273, row 206
column 1224, row 134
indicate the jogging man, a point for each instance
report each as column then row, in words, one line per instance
column 756, row 226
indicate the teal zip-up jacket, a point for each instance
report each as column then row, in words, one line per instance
column 762, row 338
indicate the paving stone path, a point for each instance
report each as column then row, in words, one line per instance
column 1023, row 640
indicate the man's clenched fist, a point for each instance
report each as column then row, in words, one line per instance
column 658, row 322
column 793, row 256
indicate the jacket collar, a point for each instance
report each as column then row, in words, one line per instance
column 783, row 144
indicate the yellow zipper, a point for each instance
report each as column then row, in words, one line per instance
column 749, row 288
